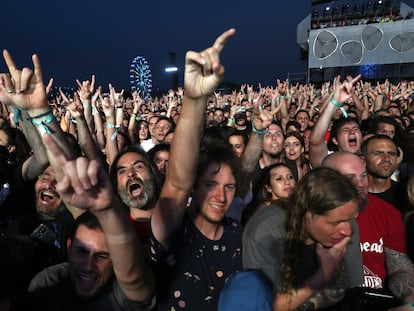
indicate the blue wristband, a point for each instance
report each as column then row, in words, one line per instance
column 340, row 106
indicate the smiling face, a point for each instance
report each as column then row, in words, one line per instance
column 281, row 183
column 135, row 183
column 348, row 138
column 213, row 193
column 90, row 265
column 333, row 226
column 47, row 198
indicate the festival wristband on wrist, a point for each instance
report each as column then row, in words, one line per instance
column 340, row 106
column 261, row 133
column 43, row 124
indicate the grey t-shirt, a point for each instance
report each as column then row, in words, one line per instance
column 263, row 241
column 52, row 288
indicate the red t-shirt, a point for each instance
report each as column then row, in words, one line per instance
column 380, row 225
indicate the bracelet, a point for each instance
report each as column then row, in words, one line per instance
column 261, row 133
column 232, row 121
column 110, row 126
column 43, row 124
column 87, row 107
column 16, row 117
column 44, row 114
column 282, row 96
column 340, row 106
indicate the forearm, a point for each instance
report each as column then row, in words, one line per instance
column 38, row 162
column 317, row 146
column 189, row 131
column 252, row 152
column 400, row 275
column 85, row 139
column 132, row 273
column 307, row 298
column 111, row 143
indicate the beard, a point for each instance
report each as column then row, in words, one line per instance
column 46, row 212
column 140, row 202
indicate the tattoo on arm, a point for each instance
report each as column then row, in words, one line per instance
column 323, row 298
column 400, row 273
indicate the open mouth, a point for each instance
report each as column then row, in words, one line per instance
column 134, row 188
column 48, row 196
column 352, row 141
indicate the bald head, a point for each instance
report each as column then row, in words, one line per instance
column 352, row 167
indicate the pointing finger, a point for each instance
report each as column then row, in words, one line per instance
column 223, row 38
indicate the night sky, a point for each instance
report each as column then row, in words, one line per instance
column 75, row 39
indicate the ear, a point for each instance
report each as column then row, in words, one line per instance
column 268, row 189
column 308, row 217
column 68, row 244
column 335, row 141
column 11, row 148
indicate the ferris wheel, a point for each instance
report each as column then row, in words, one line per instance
column 141, row 77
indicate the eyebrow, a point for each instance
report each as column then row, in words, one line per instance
column 136, row 162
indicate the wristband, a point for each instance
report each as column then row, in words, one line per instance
column 260, row 133
column 43, row 124
column 44, row 114
column 16, row 117
column 409, row 303
column 87, row 107
column 340, row 106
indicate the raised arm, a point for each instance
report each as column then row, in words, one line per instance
column 203, row 73
column 86, row 185
column 318, row 149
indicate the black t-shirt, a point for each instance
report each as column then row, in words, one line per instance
column 191, row 274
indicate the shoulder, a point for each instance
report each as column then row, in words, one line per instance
column 50, row 280
column 381, row 205
column 268, row 219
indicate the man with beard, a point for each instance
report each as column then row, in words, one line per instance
column 51, row 217
column 264, row 149
column 136, row 180
column 106, row 269
column 381, row 157
column 381, row 232
column 345, row 133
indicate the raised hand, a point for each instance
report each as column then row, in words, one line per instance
column 23, row 88
column 203, row 71
column 85, row 184
column 86, row 88
column 343, row 91
column 330, row 258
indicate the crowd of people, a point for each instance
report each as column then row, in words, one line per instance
column 284, row 197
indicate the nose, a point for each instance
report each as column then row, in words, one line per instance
column 220, row 194
column 346, row 228
column 385, row 156
column 90, row 262
column 131, row 171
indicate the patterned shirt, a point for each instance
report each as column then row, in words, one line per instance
column 191, row 274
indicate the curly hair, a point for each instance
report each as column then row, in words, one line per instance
column 318, row 192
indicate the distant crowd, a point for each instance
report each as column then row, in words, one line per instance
column 285, row 197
